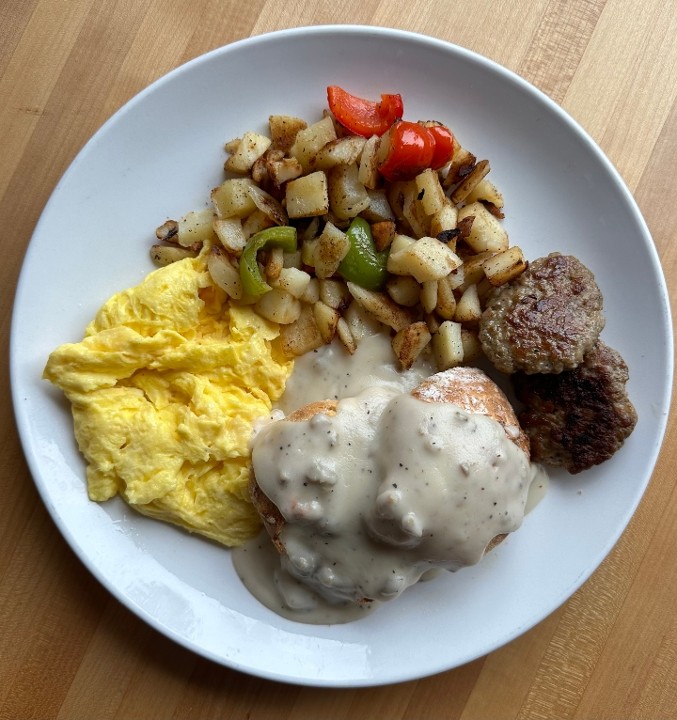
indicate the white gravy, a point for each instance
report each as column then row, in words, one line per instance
column 377, row 495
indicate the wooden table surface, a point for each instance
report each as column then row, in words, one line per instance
column 67, row 648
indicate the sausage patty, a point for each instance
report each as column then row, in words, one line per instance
column 577, row 418
column 545, row 320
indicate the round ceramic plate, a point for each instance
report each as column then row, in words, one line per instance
column 159, row 157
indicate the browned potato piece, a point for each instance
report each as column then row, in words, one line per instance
column 409, row 343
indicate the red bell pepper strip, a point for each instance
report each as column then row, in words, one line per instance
column 364, row 117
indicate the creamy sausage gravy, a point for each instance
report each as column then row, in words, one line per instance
column 378, row 494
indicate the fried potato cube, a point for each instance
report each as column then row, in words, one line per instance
column 223, row 273
column 277, row 305
column 462, row 163
column 430, row 192
column 468, row 307
column 472, row 349
column 368, row 169
column 429, row 295
column 361, row 322
column 302, row 335
column 281, row 171
column 347, row 195
column 268, row 205
column 383, row 233
column 425, row 259
column 413, row 211
column 310, row 140
column 312, row 292
column 332, row 246
column 410, row 342
column 284, row 129
column 448, row 345
column 486, row 232
column 307, row 196
column 379, row 209
column 486, row 191
column 249, row 149
column 334, row 293
column 294, row 281
column 229, row 231
column 232, row 199
column 444, row 219
column 382, row 307
column 255, row 222
column 342, row 151
column 403, row 289
column 446, row 300
column 504, row 266
column 195, row 227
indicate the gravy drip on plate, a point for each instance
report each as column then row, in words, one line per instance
column 377, row 495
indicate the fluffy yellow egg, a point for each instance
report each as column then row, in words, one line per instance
column 165, row 388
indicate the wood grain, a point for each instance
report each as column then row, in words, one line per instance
column 68, row 649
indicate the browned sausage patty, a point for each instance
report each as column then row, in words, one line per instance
column 545, row 320
column 578, row 418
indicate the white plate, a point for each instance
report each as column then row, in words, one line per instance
column 158, row 157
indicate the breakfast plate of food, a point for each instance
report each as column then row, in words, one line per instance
column 322, row 365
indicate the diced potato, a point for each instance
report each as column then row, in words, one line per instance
column 504, row 266
column 382, row 307
column 281, row 171
column 277, row 305
column 361, row 322
column 429, row 295
column 368, row 170
column 426, row 259
column 225, row 275
column 486, row 232
column 433, row 322
column 301, row 336
column 334, row 293
column 332, row 246
column 472, row 349
column 347, row 196
column 409, row 342
column 255, row 222
column 342, row 151
column 308, row 195
column 473, row 270
column 430, row 192
column 284, row 129
column 294, row 281
column 293, row 259
column 383, row 234
column 446, row 300
column 195, row 227
column 379, row 209
column 274, row 264
column 487, row 191
column 229, row 232
column 448, row 345
column 327, row 319
column 248, row 151
column 310, row 140
column 232, row 198
column 413, row 211
column 168, row 231
column 403, row 289
column 444, row 219
column 470, row 181
column 468, row 307
column 312, row 292
column 167, row 254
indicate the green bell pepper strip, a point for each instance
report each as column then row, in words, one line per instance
column 253, row 282
column 364, row 264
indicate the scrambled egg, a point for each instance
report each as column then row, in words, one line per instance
column 165, row 388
